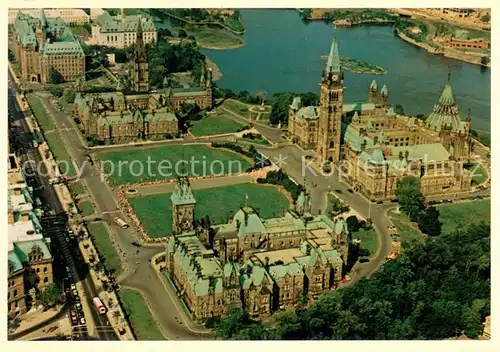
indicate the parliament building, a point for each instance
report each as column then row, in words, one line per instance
column 375, row 147
column 263, row 265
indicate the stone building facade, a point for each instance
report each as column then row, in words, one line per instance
column 380, row 147
column 29, row 261
column 263, row 265
column 121, row 31
column 138, row 113
column 46, row 49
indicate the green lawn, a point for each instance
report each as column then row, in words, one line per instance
column 85, row 208
column 140, row 316
column 15, row 68
column 236, row 107
column 131, row 166
column 460, row 215
column 260, row 141
column 60, row 152
column 218, row 203
column 77, row 188
column 215, row 124
column 368, row 239
column 106, row 250
column 406, row 232
column 215, row 38
column 41, row 115
column 479, row 174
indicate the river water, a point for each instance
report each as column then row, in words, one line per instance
column 284, row 54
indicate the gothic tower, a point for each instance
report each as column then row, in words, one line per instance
column 140, row 71
column 384, row 96
column 40, row 31
column 330, row 109
column 373, row 93
column 183, row 203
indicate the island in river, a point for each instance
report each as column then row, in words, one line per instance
column 359, row 66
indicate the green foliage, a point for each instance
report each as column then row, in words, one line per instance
column 353, row 224
column 409, row 196
column 56, row 90
column 403, row 25
column 281, row 178
column 11, row 56
column 399, row 109
column 428, row 222
column 49, row 297
column 306, row 13
column 486, row 18
column 55, row 76
column 433, row 290
column 69, row 96
column 485, row 60
column 282, row 101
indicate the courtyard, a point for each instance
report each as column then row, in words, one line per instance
column 163, row 163
column 215, row 124
column 219, row 204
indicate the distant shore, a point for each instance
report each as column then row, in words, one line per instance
column 216, row 72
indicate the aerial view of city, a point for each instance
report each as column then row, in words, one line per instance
column 249, row 174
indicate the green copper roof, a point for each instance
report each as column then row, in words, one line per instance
column 112, row 24
column 253, row 274
column 384, row 90
column 373, row 85
column 357, row 107
column 369, row 125
column 296, row 103
column 23, row 249
column 381, row 137
column 425, row 152
column 301, row 199
column 183, row 193
column 355, row 117
column 279, row 271
column 249, row 222
column 444, row 113
column 14, row 262
column 43, row 19
column 63, row 48
column 308, row 113
column 333, row 63
column 377, row 156
column 341, row 226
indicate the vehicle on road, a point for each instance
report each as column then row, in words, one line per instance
column 338, row 191
column 78, row 307
column 350, row 190
column 364, row 260
column 82, row 321
column 73, row 287
column 121, row 223
column 73, row 313
column 99, row 305
column 74, row 292
column 74, row 321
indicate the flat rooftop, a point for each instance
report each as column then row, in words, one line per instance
column 284, row 255
column 22, row 231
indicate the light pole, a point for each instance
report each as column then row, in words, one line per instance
column 370, row 210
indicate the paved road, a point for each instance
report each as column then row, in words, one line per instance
column 49, row 197
column 139, row 274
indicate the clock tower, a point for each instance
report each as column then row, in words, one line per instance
column 183, row 203
column 330, row 109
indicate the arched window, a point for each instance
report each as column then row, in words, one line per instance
column 45, row 269
column 37, row 270
column 15, row 293
column 46, row 279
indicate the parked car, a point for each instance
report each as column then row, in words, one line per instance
column 338, row 191
column 364, row 260
column 73, row 287
column 82, row 321
column 78, row 307
column 73, row 313
column 75, row 293
column 350, row 190
column 74, row 321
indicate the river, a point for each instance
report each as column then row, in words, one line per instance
column 284, row 54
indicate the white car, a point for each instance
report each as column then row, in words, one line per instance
column 73, row 287
column 75, row 293
column 82, row 321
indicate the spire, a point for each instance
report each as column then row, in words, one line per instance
column 333, row 63
column 373, row 85
column 43, row 19
column 355, row 117
column 140, row 51
column 445, row 111
column 384, row 90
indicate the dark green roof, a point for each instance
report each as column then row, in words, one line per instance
column 445, row 112
column 333, row 63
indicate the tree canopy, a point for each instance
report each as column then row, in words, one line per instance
column 282, row 101
column 409, row 196
column 435, row 289
column 428, row 222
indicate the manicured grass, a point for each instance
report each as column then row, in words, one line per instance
column 77, row 188
column 41, row 115
column 479, row 174
column 218, row 203
column 140, row 316
column 214, row 38
column 236, row 107
column 85, row 208
column 459, row 215
column 215, row 124
column 131, row 166
column 368, row 239
column 106, row 250
column 260, row 141
column 60, row 152
column 406, row 232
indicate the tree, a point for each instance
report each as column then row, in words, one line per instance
column 353, row 224
column 486, row 18
column 236, row 320
column 409, row 196
column 428, row 222
column 399, row 109
column 49, row 296
column 182, row 33
column 485, row 60
column 69, row 96
column 306, row 13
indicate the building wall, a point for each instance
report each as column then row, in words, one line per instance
column 16, row 294
column 120, row 40
column 40, row 273
column 70, row 67
column 73, row 16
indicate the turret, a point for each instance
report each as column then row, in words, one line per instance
column 332, row 72
column 384, row 96
column 373, row 93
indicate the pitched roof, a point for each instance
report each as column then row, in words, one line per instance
column 445, row 112
column 425, row 152
column 249, row 222
column 333, row 62
column 373, row 85
column 384, row 90
column 182, row 194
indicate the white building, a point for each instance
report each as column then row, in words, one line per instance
column 72, row 16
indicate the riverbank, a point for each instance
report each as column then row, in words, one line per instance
column 471, row 58
column 214, row 39
column 216, row 72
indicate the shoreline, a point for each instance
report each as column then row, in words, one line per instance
column 216, row 72
column 230, row 47
column 448, row 53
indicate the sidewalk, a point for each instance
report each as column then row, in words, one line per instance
column 116, row 316
column 35, row 318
